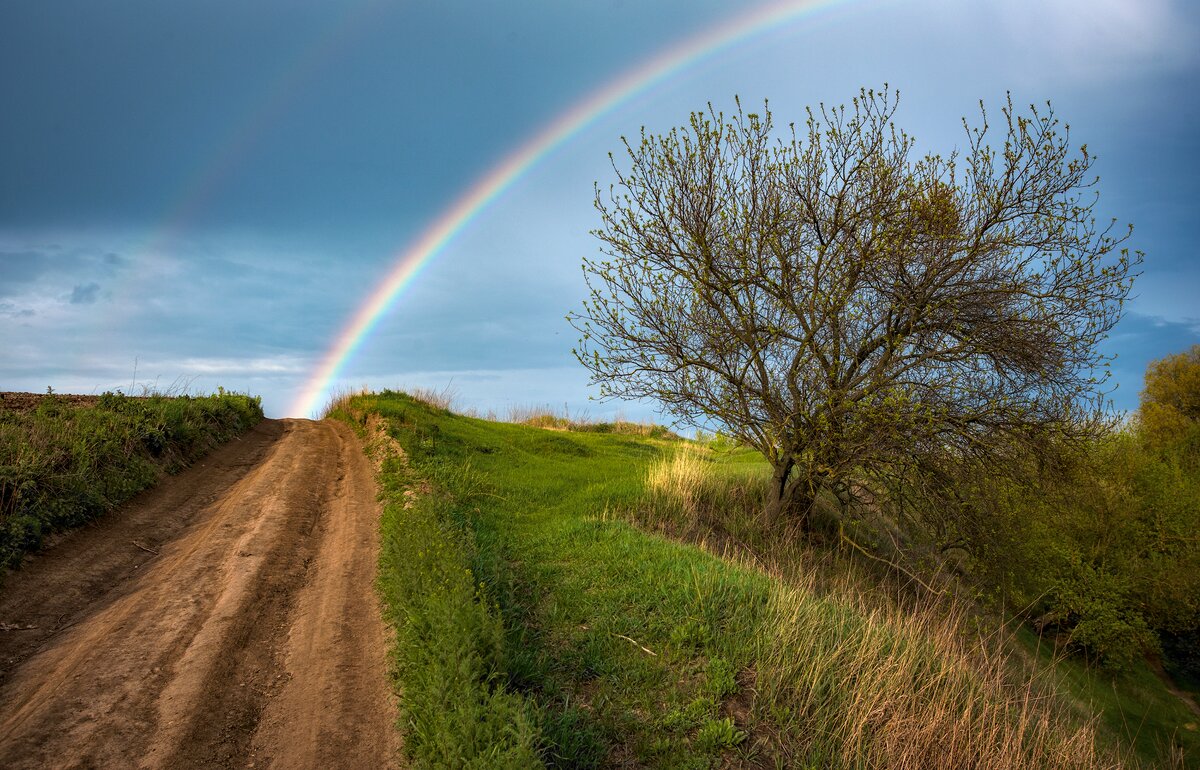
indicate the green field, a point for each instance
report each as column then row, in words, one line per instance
column 536, row 624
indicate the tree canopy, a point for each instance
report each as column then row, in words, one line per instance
column 849, row 306
column 1170, row 409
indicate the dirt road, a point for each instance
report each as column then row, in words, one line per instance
column 224, row 619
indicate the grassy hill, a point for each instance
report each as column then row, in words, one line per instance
column 561, row 598
column 66, row 459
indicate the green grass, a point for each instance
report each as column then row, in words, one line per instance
column 1136, row 710
column 611, row 643
column 63, row 463
column 536, row 624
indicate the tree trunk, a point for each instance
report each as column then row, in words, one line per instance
column 791, row 499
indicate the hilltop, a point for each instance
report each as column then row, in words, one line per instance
column 566, row 598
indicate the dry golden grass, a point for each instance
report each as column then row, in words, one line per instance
column 866, row 684
column 549, row 418
column 849, row 673
column 340, row 399
column 438, row 399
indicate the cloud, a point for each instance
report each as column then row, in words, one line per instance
column 1103, row 37
column 1169, row 297
column 46, row 272
column 282, row 364
column 12, row 311
column 21, row 268
column 1080, row 41
column 1136, row 341
column 85, row 294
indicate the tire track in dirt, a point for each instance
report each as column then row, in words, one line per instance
column 226, row 619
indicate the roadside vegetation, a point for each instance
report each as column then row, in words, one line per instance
column 66, row 459
column 590, row 598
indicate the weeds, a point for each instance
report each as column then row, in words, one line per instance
column 448, row 650
column 69, row 460
column 718, row 734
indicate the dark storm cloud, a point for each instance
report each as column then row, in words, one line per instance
column 227, row 181
column 85, row 294
column 23, row 271
column 313, row 113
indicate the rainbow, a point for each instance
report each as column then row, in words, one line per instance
column 409, row 263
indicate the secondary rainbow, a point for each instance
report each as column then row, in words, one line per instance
column 409, row 262
column 243, row 136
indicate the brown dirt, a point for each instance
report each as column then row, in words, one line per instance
column 27, row 402
column 223, row 619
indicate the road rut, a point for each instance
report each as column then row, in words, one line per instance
column 226, row 618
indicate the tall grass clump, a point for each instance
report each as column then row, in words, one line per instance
column 871, row 687
column 694, row 489
column 439, row 398
column 68, row 460
column 341, row 405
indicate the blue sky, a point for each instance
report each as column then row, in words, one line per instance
column 204, row 192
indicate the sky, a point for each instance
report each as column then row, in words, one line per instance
column 197, row 195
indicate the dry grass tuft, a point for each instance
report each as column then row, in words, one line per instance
column 851, row 669
column 873, row 685
column 550, row 418
column 341, row 399
column 444, row 398
column 545, row 416
column 692, row 495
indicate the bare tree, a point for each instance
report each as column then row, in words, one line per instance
column 850, row 307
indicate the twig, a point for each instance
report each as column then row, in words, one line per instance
column 637, row 644
column 846, row 539
column 144, row 548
